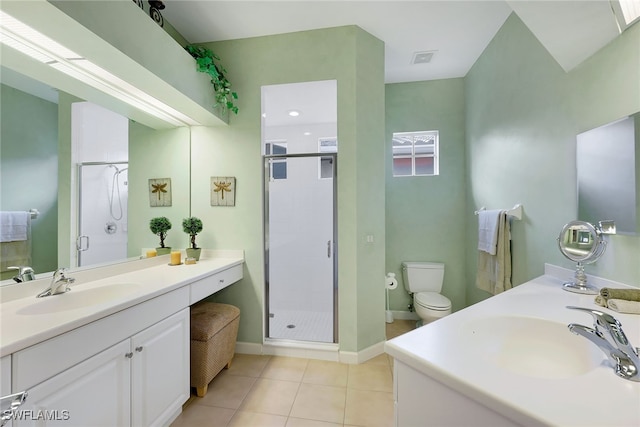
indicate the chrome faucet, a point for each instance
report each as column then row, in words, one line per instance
column 59, row 284
column 607, row 334
column 25, row 273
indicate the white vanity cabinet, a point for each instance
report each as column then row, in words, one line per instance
column 5, row 380
column 118, row 361
column 160, row 370
column 95, row 392
column 421, row 400
column 141, row 381
column 5, row 376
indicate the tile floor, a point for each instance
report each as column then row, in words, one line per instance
column 281, row 391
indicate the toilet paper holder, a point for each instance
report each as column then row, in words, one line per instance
column 390, row 283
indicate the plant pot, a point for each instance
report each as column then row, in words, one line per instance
column 194, row 253
column 164, row 251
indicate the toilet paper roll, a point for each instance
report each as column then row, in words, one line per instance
column 391, row 281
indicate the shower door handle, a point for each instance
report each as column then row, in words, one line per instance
column 328, row 248
column 79, row 241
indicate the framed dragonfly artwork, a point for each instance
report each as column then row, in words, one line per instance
column 159, row 192
column 223, row 191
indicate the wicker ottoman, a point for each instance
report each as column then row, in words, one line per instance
column 214, row 329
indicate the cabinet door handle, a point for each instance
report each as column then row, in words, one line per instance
column 128, row 355
column 221, row 280
column 139, row 349
column 329, row 249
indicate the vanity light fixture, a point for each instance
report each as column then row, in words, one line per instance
column 19, row 36
column 627, row 12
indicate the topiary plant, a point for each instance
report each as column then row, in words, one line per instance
column 205, row 59
column 192, row 226
column 159, row 226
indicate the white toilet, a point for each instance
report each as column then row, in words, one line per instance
column 424, row 281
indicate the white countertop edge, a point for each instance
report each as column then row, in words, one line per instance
column 406, row 349
column 146, row 266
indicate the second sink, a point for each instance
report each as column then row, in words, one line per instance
column 533, row 347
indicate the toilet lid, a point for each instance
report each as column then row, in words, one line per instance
column 433, row 300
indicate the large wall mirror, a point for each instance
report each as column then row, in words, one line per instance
column 104, row 177
column 607, row 168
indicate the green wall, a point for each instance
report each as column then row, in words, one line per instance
column 522, row 114
column 355, row 60
column 29, row 169
column 604, row 88
column 157, row 154
column 425, row 215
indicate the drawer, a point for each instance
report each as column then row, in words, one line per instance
column 212, row 284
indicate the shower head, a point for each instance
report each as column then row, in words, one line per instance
column 118, row 170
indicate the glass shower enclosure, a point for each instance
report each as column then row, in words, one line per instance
column 300, row 247
column 102, row 212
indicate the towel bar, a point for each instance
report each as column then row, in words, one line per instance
column 515, row 211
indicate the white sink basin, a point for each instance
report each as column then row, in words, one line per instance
column 533, row 347
column 77, row 298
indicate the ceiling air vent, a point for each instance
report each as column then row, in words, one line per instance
column 423, row 57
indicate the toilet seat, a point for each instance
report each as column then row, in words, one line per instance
column 432, row 301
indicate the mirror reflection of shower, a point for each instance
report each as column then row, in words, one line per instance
column 115, row 187
column 104, row 192
column 100, row 153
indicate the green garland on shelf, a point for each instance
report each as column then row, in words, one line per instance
column 206, row 61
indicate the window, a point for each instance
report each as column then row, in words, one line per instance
column 415, row 153
column 327, row 145
column 277, row 167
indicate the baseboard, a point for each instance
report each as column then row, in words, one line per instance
column 405, row 315
column 329, row 352
column 248, row 348
column 307, row 350
column 362, row 356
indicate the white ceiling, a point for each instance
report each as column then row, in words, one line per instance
column 459, row 31
column 317, row 102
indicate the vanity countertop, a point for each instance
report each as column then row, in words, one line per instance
column 27, row 320
column 452, row 351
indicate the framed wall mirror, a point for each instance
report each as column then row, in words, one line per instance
column 607, row 161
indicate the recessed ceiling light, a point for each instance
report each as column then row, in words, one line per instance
column 423, row 57
column 307, row 133
column 294, row 113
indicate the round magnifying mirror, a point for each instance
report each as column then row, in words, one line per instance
column 582, row 243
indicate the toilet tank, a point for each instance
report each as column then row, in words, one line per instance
column 423, row 276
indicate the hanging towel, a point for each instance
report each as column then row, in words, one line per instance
column 488, row 230
column 17, row 252
column 14, row 226
column 494, row 271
